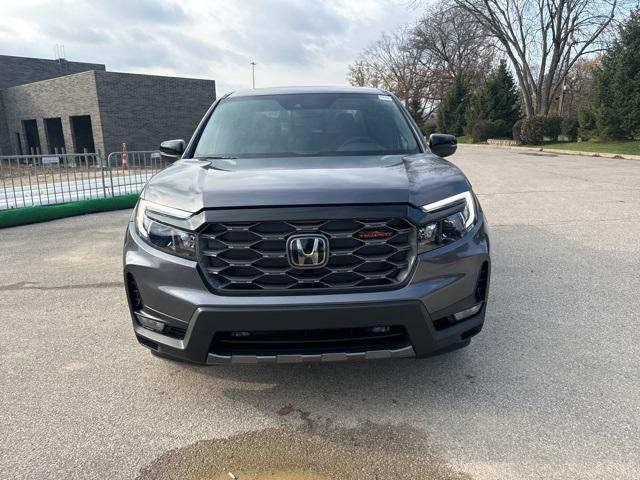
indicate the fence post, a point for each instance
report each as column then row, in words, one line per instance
column 110, row 174
column 53, row 183
column 104, row 187
column 125, row 160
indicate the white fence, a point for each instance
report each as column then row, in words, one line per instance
column 30, row 180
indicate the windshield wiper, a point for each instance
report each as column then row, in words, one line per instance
column 216, row 157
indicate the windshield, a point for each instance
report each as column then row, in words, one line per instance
column 296, row 125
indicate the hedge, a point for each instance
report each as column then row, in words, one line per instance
column 570, row 127
column 533, row 130
column 553, row 127
column 43, row 213
column 517, row 130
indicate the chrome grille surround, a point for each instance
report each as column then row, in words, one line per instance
column 250, row 257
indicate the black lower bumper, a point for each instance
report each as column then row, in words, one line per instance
column 422, row 337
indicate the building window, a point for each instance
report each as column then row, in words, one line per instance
column 82, row 134
column 55, row 136
column 32, row 136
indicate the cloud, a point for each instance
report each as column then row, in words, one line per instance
column 147, row 11
column 292, row 41
column 283, row 32
column 65, row 33
column 299, row 17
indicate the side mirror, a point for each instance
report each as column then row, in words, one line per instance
column 442, row 144
column 172, row 150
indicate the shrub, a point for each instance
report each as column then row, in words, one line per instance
column 533, row 130
column 553, row 127
column 517, row 130
column 481, row 130
column 587, row 122
column 570, row 128
column 428, row 129
column 501, row 129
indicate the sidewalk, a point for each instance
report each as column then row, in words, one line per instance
column 558, row 151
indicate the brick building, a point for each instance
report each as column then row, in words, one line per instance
column 58, row 105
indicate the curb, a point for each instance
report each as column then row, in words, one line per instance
column 559, row 151
column 44, row 213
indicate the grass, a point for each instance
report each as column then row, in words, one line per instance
column 630, row 147
column 465, row 139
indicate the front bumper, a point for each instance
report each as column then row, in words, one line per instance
column 445, row 281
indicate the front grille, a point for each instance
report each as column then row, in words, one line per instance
column 252, row 257
column 308, row 342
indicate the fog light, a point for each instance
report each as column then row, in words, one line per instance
column 240, row 334
column 469, row 312
column 379, row 329
column 150, row 323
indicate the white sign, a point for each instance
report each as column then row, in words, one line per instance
column 49, row 160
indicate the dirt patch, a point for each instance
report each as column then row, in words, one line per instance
column 324, row 453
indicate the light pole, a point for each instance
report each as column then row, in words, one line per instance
column 253, row 73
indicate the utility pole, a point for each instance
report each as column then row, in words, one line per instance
column 253, row 73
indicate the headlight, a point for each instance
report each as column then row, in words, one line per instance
column 164, row 237
column 458, row 217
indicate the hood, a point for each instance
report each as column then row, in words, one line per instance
column 193, row 185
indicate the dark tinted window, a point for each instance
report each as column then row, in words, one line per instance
column 305, row 125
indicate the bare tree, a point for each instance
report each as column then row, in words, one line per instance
column 576, row 86
column 418, row 63
column 544, row 39
column 454, row 43
column 394, row 63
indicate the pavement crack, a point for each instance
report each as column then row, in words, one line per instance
column 36, row 286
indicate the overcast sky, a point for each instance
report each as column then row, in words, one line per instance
column 294, row 42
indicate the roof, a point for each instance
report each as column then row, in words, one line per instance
column 293, row 90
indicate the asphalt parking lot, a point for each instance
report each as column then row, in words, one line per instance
column 550, row 389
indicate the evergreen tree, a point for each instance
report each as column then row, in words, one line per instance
column 452, row 109
column 613, row 107
column 497, row 102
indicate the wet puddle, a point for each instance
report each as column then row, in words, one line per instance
column 309, row 453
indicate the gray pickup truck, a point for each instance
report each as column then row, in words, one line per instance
column 307, row 225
